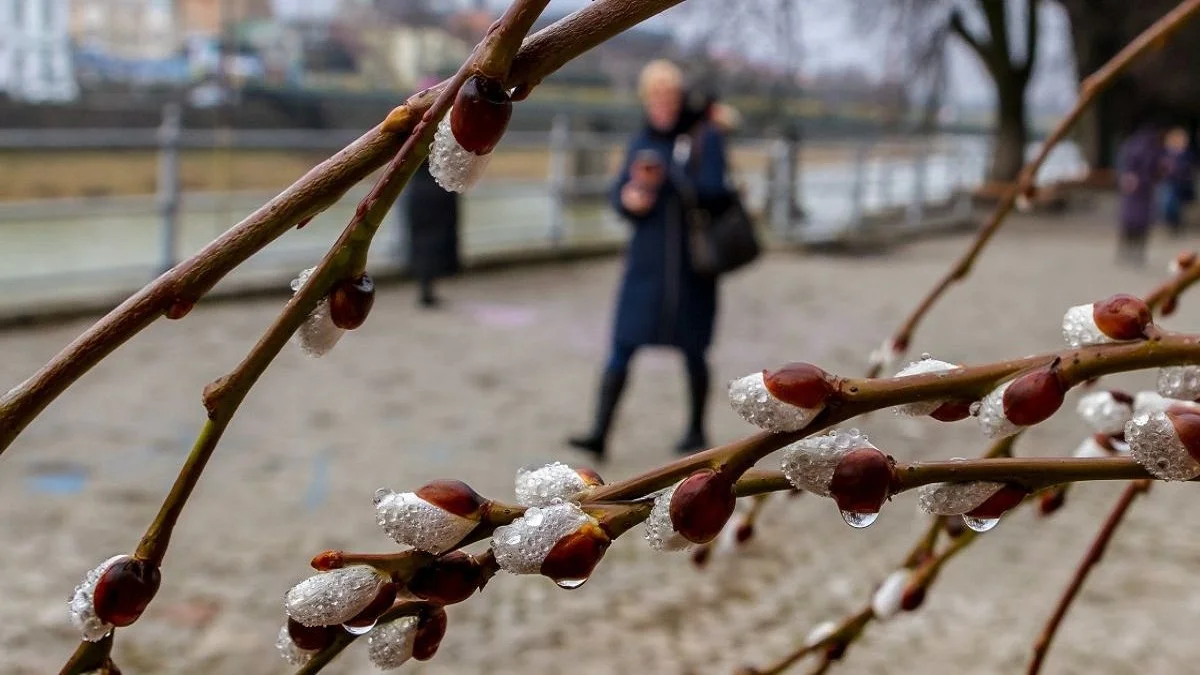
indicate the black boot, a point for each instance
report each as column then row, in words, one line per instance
column 698, row 385
column 611, row 386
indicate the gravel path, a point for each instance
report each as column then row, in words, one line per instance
column 494, row 382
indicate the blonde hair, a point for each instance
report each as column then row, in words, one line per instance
column 659, row 74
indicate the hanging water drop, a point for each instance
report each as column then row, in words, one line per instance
column 570, row 584
column 358, row 630
column 859, row 520
column 980, row 524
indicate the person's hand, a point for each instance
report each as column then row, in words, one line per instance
column 636, row 200
column 1129, row 182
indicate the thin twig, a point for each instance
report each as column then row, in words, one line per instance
column 1094, row 553
column 1091, row 87
column 540, row 55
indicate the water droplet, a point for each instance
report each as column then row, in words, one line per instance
column 980, row 524
column 570, row 584
column 358, row 630
column 380, row 495
column 925, row 356
column 859, row 520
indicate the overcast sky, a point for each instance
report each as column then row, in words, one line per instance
column 831, row 41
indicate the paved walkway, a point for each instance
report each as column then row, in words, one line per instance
column 494, row 382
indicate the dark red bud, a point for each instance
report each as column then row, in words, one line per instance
column 1169, row 305
column 480, row 114
column 954, row 526
column 383, row 602
column 1033, row 397
column 800, row 384
column 571, row 561
column 125, row 589
column 589, row 476
column 701, row 555
column 836, row 650
column 454, row 496
column 1122, row 317
column 913, row 598
column 900, row 345
column 179, row 308
column 701, row 506
column 999, row 504
column 952, row 411
column 328, row 560
column 1187, row 427
column 450, row 579
column 431, row 628
column 311, row 638
column 1185, row 259
column 862, row 481
column 350, row 302
column 1052, row 500
column 745, row 533
column 1120, row 396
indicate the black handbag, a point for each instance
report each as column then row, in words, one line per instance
column 721, row 233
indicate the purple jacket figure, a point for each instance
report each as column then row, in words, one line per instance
column 1139, row 162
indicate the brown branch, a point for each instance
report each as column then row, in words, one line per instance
column 1091, row 88
column 1093, row 556
column 540, row 55
column 1167, row 295
column 90, row 656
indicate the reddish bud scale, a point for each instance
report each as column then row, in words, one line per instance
column 589, row 476
column 836, row 650
column 1121, row 396
column 1185, row 259
column 1000, row 503
column 311, row 638
column 701, row 555
column 1122, row 317
column 913, row 598
column 952, row 411
column 954, row 526
column 800, row 384
column 576, row 555
column 179, row 308
column 1187, row 427
column 350, row 302
column 1033, row 397
column 383, row 602
column 453, row 496
column 450, row 579
column 701, row 505
column 861, row 481
column 1052, row 500
column 482, row 109
column 328, row 560
column 745, row 533
column 431, row 628
column 125, row 589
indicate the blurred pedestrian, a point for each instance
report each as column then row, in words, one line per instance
column 1139, row 167
column 1179, row 175
column 433, row 217
column 662, row 300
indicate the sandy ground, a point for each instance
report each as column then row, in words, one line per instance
column 494, row 382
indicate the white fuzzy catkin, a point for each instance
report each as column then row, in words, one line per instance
column 454, row 167
column 809, row 463
column 885, row 603
column 412, row 521
column 1155, row 445
column 1181, row 382
column 290, row 651
column 660, row 531
column 924, row 366
column 820, row 633
column 1080, row 329
column 318, row 335
column 955, row 499
column 1103, row 412
column 332, row 598
column 390, row 645
column 548, row 484
column 752, row 402
column 523, row 545
column 992, row 420
column 83, row 602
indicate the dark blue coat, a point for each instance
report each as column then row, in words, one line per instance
column 1141, row 156
column 663, row 301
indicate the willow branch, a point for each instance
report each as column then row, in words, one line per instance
column 90, row 656
column 1091, row 87
column 324, row 657
column 1165, row 297
column 179, row 288
column 1093, row 556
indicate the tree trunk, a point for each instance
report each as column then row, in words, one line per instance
column 1011, row 135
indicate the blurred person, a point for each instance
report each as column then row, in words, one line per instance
column 433, row 217
column 1179, row 175
column 1139, row 163
column 662, row 300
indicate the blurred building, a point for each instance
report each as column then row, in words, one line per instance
column 35, row 51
